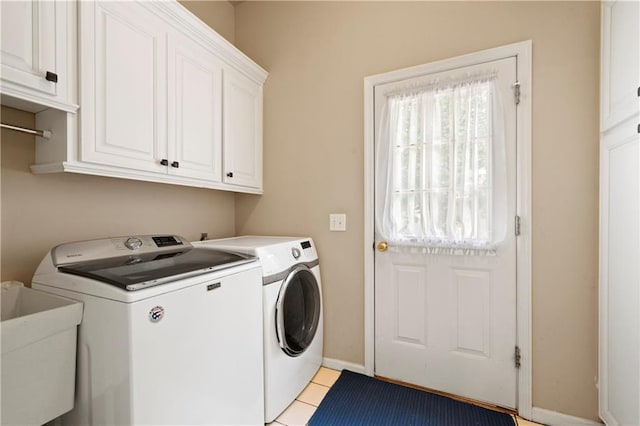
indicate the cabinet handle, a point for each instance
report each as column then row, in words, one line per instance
column 164, row 162
column 175, row 164
column 230, row 174
column 51, row 76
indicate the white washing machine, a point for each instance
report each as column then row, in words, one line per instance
column 292, row 306
column 171, row 333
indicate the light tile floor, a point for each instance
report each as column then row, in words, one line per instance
column 522, row 422
column 301, row 410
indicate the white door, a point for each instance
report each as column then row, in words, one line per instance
column 195, row 117
column 445, row 284
column 29, row 43
column 620, row 76
column 242, row 130
column 123, row 64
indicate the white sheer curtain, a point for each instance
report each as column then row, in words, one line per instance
column 440, row 167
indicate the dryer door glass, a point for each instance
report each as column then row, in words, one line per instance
column 298, row 311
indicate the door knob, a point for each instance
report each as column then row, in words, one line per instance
column 383, row 246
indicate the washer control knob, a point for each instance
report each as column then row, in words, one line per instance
column 295, row 252
column 133, row 243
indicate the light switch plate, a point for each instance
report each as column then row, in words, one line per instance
column 337, row 222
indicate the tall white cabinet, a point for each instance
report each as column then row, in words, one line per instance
column 619, row 355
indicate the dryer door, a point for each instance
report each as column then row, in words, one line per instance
column 298, row 311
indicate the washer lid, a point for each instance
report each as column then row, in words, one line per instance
column 134, row 272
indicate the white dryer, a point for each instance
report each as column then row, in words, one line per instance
column 292, row 307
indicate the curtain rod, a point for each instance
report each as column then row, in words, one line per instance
column 46, row 134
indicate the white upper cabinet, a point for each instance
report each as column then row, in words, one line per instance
column 242, row 130
column 123, row 86
column 34, row 55
column 619, row 62
column 163, row 98
column 195, row 110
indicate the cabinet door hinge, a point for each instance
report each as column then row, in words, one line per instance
column 517, row 226
column 517, row 356
column 516, row 92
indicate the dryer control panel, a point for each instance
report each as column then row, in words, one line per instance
column 277, row 254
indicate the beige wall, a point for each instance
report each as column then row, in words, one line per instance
column 40, row 211
column 317, row 54
column 218, row 14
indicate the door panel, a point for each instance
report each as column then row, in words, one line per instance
column 124, row 132
column 242, row 130
column 620, row 62
column 128, row 49
column 448, row 321
column 471, row 322
column 29, row 43
column 620, row 274
column 409, row 305
column 195, row 125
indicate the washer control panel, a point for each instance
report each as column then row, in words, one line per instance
column 82, row 251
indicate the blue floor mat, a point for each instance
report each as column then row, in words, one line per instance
column 356, row 399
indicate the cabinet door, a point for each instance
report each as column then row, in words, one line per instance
column 619, row 277
column 619, row 239
column 29, row 43
column 195, row 110
column 620, row 62
column 123, row 85
column 242, row 130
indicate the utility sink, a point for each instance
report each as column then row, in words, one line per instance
column 38, row 332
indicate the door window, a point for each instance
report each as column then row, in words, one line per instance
column 441, row 149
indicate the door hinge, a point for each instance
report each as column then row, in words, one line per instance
column 517, row 356
column 517, row 226
column 516, row 92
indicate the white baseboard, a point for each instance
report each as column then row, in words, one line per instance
column 553, row 418
column 339, row 365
